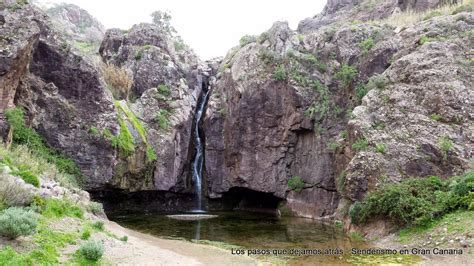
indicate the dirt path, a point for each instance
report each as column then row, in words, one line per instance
column 143, row 249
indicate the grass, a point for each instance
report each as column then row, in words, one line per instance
column 356, row 236
column 56, row 208
column 47, row 243
column 28, row 177
column 458, row 222
column 86, row 48
column 119, row 80
column 23, row 135
column 432, row 14
column 410, row 17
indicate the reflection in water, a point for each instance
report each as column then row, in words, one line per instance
column 197, row 234
column 249, row 230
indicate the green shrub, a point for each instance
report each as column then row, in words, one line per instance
column 280, row 73
column 432, row 14
column 28, row 177
column 333, row 146
column 338, row 224
column 164, row 90
column 138, row 55
column 57, row 208
column 436, row 117
column 15, row 222
column 377, row 82
column 13, row 194
column 179, row 45
column 416, row 201
column 380, row 147
column 346, row 75
column 246, row 39
column 354, row 212
column 27, row 136
column 360, row 144
column 300, row 37
column 423, row 40
column 315, row 62
column 99, row 225
column 96, row 208
column 92, row 250
column 360, row 91
column 162, row 118
column 379, row 125
column 445, row 144
column 268, row 57
column 124, row 238
column 344, row 134
column 86, row 234
column 94, row 131
column 366, row 45
column 296, row 183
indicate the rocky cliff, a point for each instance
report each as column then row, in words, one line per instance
column 114, row 142
column 290, row 105
column 76, row 23
column 362, row 94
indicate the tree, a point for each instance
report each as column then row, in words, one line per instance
column 163, row 20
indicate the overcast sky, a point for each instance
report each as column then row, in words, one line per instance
column 210, row 27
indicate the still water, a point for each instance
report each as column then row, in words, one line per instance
column 250, row 231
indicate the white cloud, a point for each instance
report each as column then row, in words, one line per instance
column 210, row 27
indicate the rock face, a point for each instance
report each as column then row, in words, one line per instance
column 67, row 101
column 62, row 93
column 278, row 108
column 257, row 135
column 167, row 79
column 76, row 23
column 18, row 38
column 428, row 100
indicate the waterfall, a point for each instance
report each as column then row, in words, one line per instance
column 199, row 158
